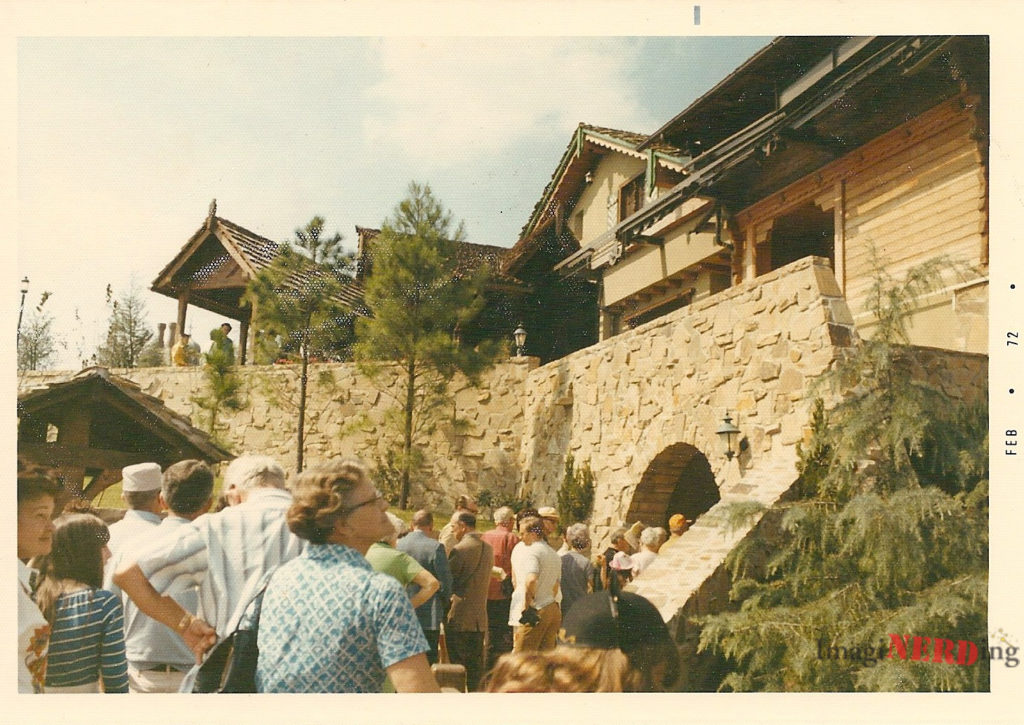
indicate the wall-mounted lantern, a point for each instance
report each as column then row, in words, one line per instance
column 520, row 337
column 728, row 433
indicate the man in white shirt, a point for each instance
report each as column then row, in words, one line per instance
column 36, row 496
column 536, row 572
column 140, row 490
column 157, row 657
column 226, row 554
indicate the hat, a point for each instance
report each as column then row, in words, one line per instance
column 626, row 621
column 548, row 512
column 633, row 534
column 677, row 520
column 622, row 561
column 140, row 477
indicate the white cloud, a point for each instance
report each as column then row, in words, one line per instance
column 447, row 100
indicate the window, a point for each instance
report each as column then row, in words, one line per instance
column 631, row 196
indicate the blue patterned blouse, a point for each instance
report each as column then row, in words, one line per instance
column 87, row 642
column 332, row 624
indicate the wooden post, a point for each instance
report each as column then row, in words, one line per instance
column 182, row 310
column 243, row 339
column 839, row 224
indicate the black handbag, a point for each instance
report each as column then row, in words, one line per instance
column 230, row 666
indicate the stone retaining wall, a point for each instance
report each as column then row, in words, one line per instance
column 485, row 455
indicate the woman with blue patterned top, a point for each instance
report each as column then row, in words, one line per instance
column 330, row 623
column 87, row 640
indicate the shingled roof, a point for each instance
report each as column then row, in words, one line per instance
column 104, row 423
column 469, row 256
column 241, row 256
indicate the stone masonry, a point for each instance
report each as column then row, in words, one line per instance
column 754, row 350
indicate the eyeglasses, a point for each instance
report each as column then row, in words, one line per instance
column 378, row 496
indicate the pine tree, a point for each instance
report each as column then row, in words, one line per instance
column 418, row 299
column 223, row 385
column 128, row 330
column 296, row 300
column 886, row 531
column 37, row 346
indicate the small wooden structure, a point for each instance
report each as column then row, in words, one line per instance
column 214, row 267
column 94, row 424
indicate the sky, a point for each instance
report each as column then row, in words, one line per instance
column 122, row 142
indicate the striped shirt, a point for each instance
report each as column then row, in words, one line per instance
column 87, row 641
column 225, row 554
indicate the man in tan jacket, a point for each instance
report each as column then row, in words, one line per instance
column 470, row 562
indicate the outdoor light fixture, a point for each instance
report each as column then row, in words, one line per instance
column 520, row 336
column 727, row 431
column 21, row 308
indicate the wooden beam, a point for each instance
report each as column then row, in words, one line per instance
column 71, row 456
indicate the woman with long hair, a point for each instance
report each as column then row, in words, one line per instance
column 87, row 640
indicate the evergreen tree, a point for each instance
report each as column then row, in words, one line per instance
column 886, row 531
column 418, row 299
column 223, row 385
column 128, row 330
column 297, row 301
column 576, row 495
column 37, row 346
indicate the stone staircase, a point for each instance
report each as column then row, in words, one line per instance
column 678, row 575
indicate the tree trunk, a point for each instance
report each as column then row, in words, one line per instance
column 302, row 407
column 410, row 402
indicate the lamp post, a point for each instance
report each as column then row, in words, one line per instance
column 21, row 308
column 726, row 431
column 520, row 336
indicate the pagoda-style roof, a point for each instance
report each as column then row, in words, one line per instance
column 214, row 266
column 95, row 423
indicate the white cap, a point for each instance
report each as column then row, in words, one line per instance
column 140, row 477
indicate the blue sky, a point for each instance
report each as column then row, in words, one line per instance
column 123, row 142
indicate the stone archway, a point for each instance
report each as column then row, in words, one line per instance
column 678, row 480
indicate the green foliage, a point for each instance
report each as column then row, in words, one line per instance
column 418, row 298
column 886, row 531
column 37, row 347
column 128, row 330
column 223, row 386
column 576, row 494
column 488, row 499
column 298, row 312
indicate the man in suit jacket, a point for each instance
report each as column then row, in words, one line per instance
column 421, row 545
column 470, row 561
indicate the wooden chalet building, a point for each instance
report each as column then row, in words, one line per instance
column 849, row 148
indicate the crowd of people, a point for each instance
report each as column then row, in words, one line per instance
column 354, row 600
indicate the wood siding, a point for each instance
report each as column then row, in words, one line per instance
column 924, row 200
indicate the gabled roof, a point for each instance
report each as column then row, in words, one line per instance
column 96, row 386
column 232, row 255
column 587, row 145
